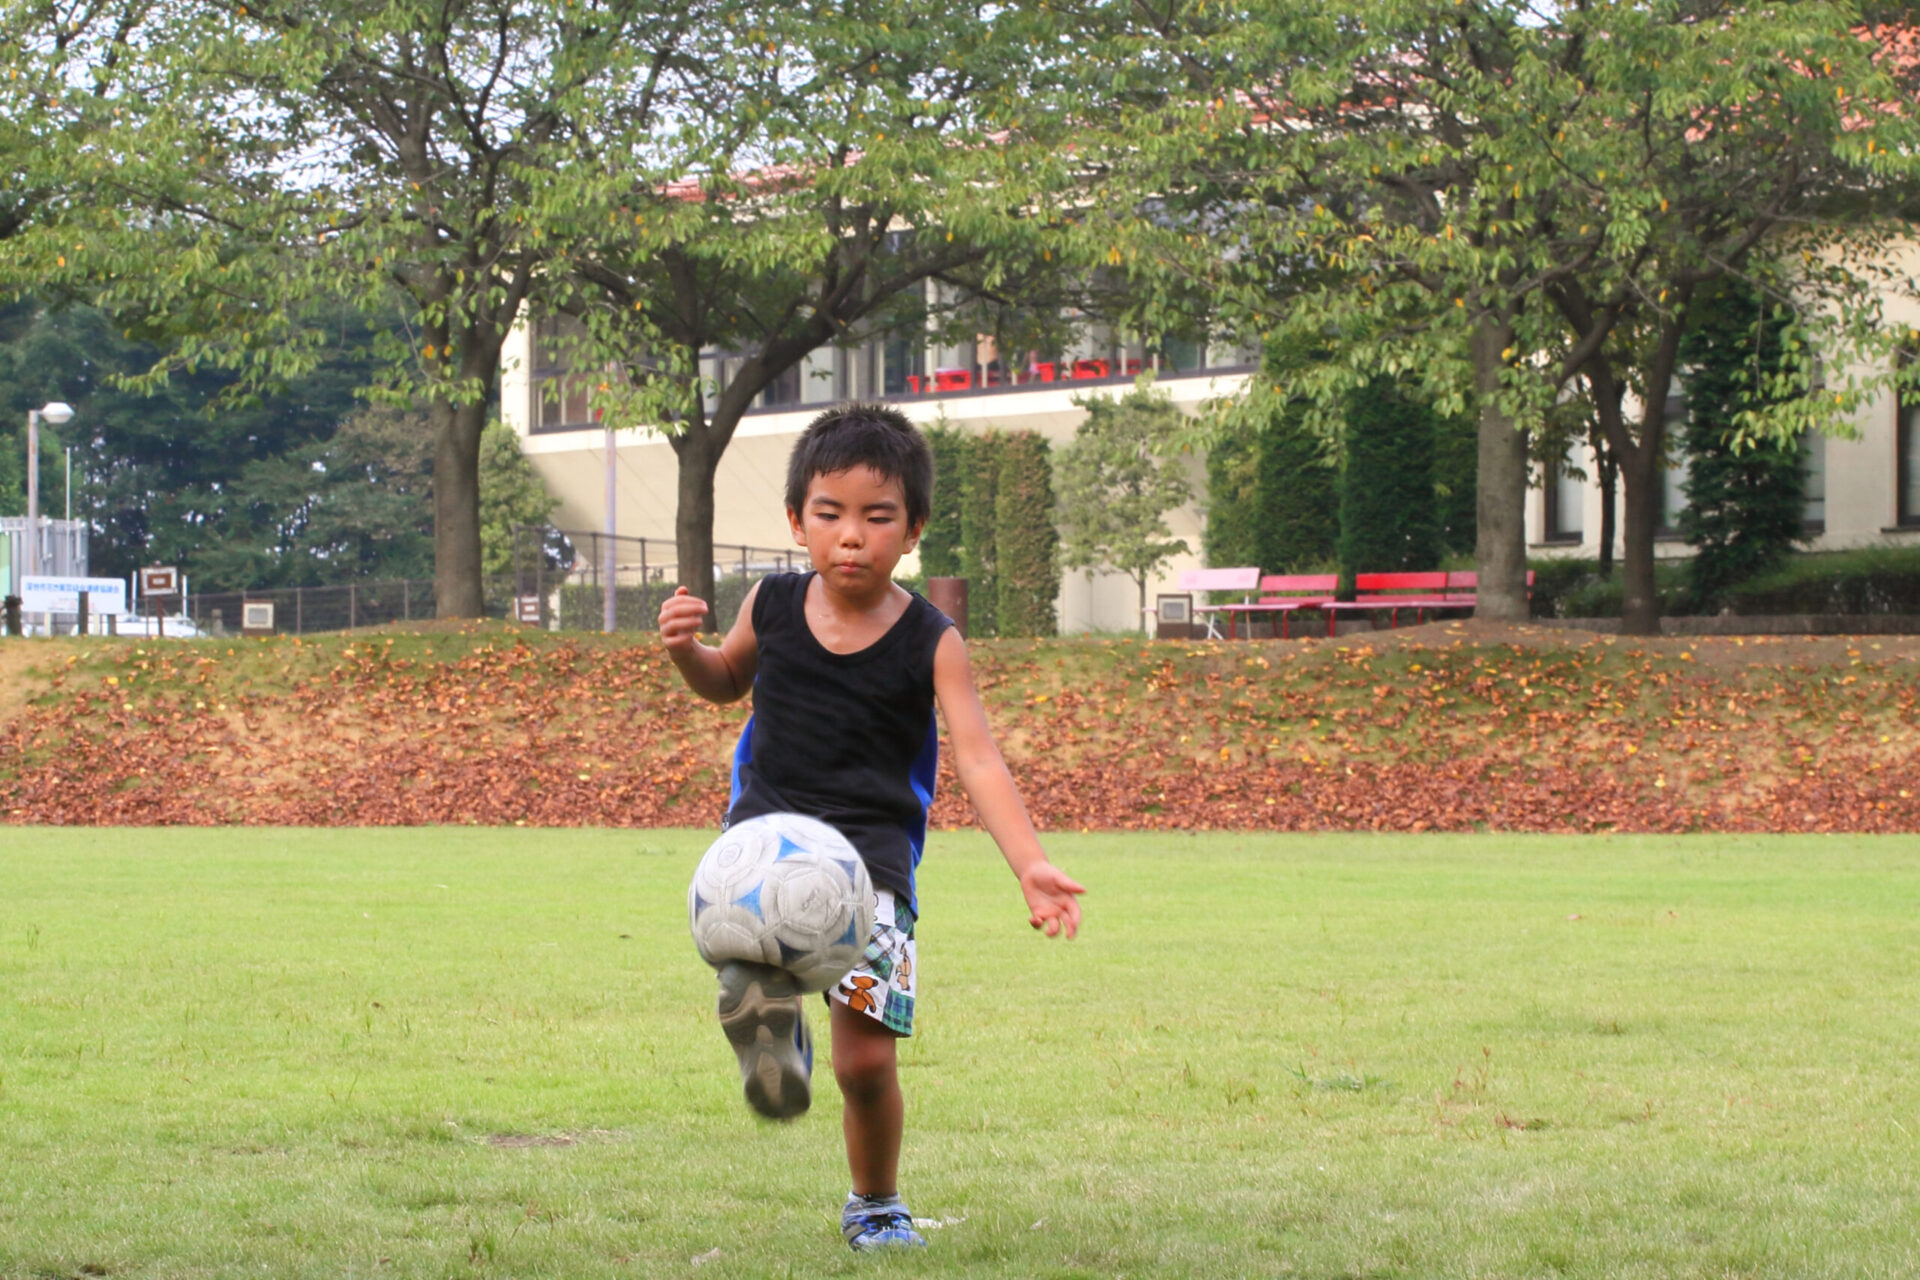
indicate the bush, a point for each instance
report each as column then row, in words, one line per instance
column 979, row 510
column 1025, row 540
column 1388, row 522
column 1298, row 502
column 1873, row 580
column 637, row 608
column 940, row 541
column 1576, row 589
column 1746, row 508
column 1232, row 532
column 1456, row 473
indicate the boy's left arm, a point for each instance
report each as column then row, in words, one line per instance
column 1050, row 893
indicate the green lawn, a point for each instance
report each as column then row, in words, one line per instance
column 484, row 1052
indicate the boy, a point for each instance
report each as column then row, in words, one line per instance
column 845, row 667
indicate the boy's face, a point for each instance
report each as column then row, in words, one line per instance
column 854, row 527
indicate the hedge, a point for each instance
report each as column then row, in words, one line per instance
column 637, row 608
column 1025, row 539
column 979, row 510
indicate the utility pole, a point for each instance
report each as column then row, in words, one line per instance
column 607, row 615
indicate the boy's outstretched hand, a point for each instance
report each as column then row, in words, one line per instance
column 1051, row 904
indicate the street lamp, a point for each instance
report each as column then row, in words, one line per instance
column 59, row 413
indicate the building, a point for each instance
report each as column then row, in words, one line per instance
column 1861, row 491
column 966, row 385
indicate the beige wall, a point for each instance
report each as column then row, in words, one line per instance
column 749, row 489
column 1862, row 471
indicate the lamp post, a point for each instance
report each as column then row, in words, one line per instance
column 57, row 412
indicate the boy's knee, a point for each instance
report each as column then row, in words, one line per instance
column 864, row 1070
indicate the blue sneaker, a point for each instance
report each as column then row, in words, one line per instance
column 882, row 1223
column 760, row 1012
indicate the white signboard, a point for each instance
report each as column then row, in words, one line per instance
column 62, row 595
column 160, row 580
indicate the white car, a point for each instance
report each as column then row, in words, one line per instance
column 178, row 627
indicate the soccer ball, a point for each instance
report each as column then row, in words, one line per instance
column 784, row 890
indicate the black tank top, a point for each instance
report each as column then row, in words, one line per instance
column 848, row 738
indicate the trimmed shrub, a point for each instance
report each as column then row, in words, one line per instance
column 979, row 556
column 1745, row 509
column 1298, row 503
column 1871, row 580
column 1387, row 517
column 1456, row 474
column 1232, row 533
column 940, row 541
column 1025, row 541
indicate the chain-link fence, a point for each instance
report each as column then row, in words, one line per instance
column 563, row 580
column 299, row 610
column 616, row 583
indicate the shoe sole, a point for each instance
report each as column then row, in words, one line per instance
column 761, row 1013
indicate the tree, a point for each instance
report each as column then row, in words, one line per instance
column 1746, row 501
column 1493, row 199
column 1387, row 511
column 371, row 512
column 1025, row 540
column 1117, row 484
column 164, row 476
column 404, row 158
column 900, row 173
column 512, row 497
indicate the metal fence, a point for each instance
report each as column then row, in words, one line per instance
column 565, row 580
column 616, row 583
column 300, row 610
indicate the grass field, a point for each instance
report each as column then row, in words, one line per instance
column 451, row 1052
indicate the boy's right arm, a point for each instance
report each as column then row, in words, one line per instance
column 720, row 673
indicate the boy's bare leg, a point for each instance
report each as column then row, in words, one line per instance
column 866, row 1065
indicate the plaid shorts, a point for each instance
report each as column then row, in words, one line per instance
column 882, row 987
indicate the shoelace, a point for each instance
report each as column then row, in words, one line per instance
column 874, row 1221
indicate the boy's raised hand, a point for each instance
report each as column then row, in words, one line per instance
column 1051, row 904
column 680, row 616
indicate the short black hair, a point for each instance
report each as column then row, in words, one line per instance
column 864, row 435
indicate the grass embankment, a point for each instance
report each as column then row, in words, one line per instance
column 1459, row 727
column 491, row 1053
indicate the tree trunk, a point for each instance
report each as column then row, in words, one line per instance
column 699, row 460
column 1609, row 477
column 1640, row 476
column 1500, row 536
column 456, row 507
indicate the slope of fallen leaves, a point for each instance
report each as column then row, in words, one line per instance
column 1439, row 729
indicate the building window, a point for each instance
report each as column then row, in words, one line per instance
column 1671, row 495
column 903, row 363
column 1565, row 494
column 1813, row 460
column 784, row 389
column 1907, row 466
column 1182, row 355
column 561, row 394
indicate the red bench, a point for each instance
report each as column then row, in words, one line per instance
column 1417, row 591
column 1282, row 595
